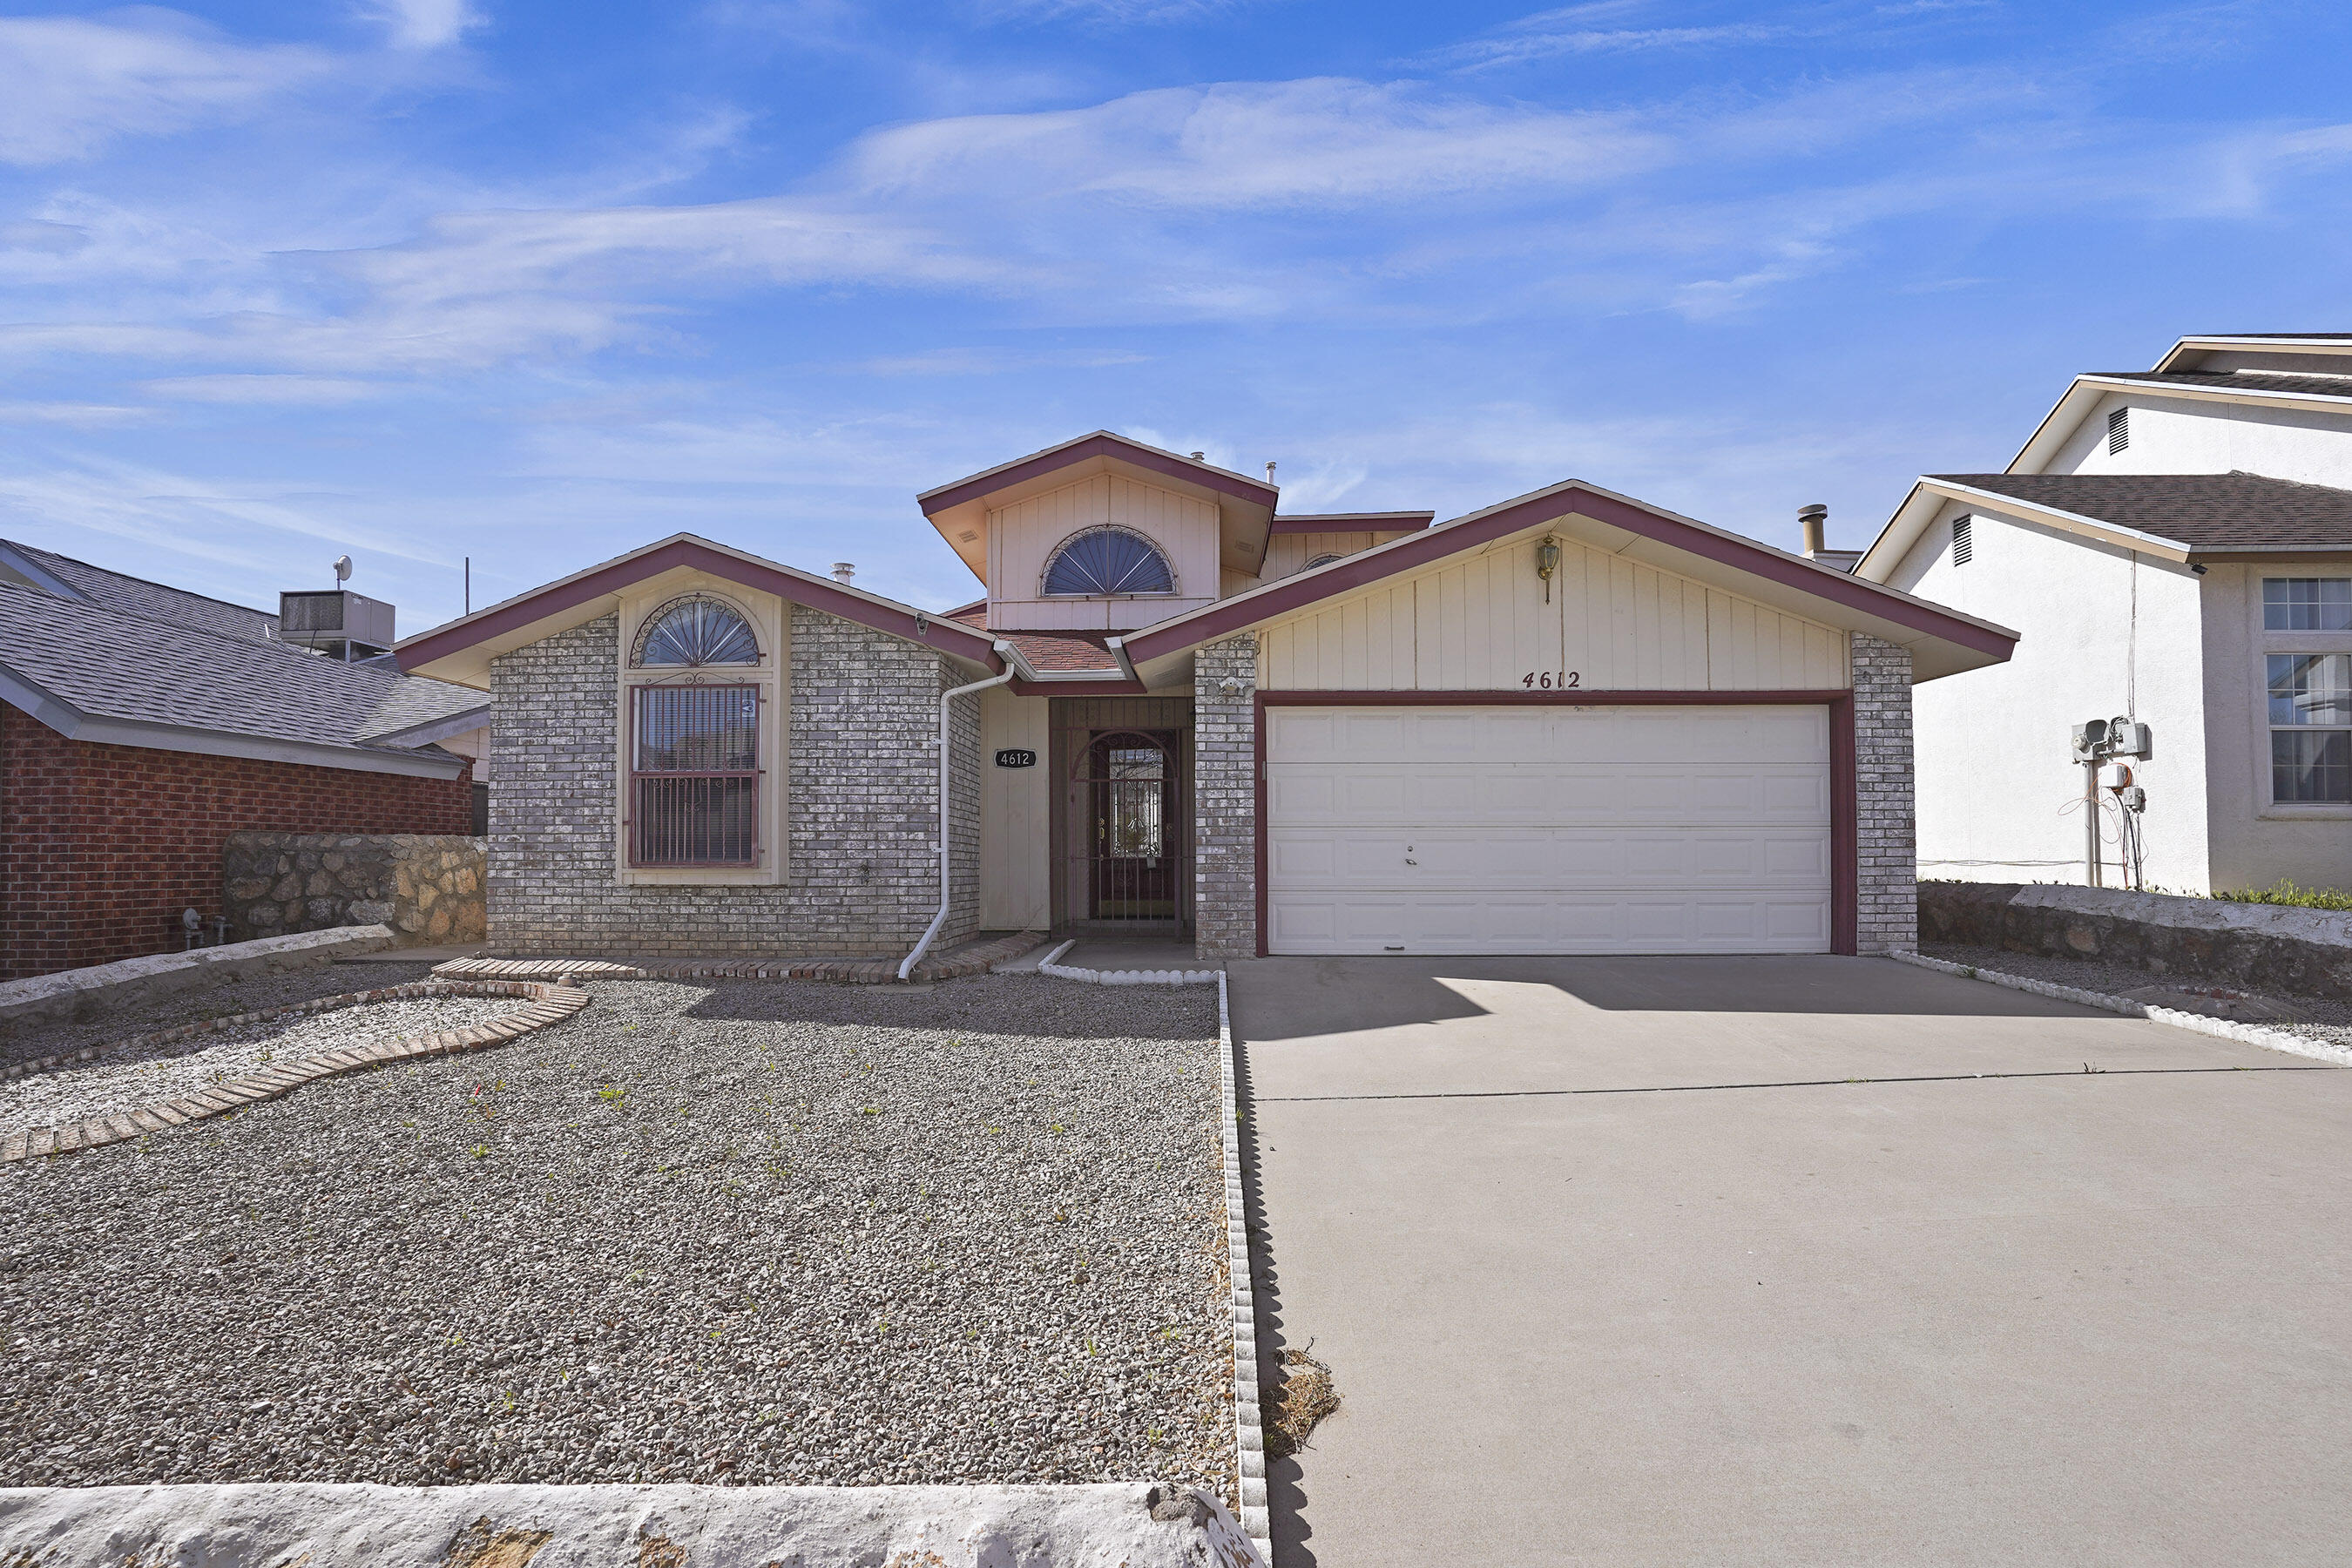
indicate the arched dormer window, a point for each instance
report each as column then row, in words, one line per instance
column 1321, row 561
column 1108, row 560
column 695, row 631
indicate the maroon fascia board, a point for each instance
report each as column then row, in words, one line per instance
column 1845, row 850
column 948, row 636
column 1437, row 544
column 934, row 502
column 1355, row 522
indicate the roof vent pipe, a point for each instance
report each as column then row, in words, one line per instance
column 1813, row 521
column 1199, row 456
column 843, row 572
column 1269, row 473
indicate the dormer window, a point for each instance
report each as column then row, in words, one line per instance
column 1107, row 561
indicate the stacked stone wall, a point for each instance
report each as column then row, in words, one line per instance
column 427, row 888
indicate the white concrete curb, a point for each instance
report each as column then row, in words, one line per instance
column 1125, row 976
column 2225, row 1028
column 1249, row 1432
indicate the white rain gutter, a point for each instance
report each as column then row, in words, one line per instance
column 1014, row 664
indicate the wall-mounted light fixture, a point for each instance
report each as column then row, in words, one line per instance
column 1547, row 563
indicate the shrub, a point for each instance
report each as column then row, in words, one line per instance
column 2285, row 892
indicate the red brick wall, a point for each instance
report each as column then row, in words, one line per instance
column 102, row 846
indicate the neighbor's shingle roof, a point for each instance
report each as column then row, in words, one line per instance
column 2240, row 381
column 132, row 668
column 138, row 596
column 2202, row 511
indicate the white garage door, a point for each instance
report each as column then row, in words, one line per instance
column 1547, row 829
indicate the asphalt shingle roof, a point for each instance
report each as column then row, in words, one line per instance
column 132, row 668
column 2240, row 381
column 138, row 596
column 2202, row 511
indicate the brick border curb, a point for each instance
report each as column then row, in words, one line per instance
column 549, row 1004
column 1249, row 1432
column 2223, row 1028
column 967, row 962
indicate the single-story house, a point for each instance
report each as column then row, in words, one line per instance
column 141, row 725
column 2176, row 544
column 1569, row 724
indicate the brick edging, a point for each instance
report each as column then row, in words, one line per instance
column 2223, row 1028
column 1249, row 1432
column 549, row 1004
column 837, row 970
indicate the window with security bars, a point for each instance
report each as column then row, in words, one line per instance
column 2307, row 604
column 2311, row 728
column 694, row 776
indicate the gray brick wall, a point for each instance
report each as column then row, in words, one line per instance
column 863, row 868
column 1224, row 798
column 1885, row 839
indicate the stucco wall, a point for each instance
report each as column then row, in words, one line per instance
column 1998, row 787
column 2178, row 436
column 862, row 874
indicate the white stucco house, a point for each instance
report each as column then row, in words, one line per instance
column 2174, row 546
column 1568, row 723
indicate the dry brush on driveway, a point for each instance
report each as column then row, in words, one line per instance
column 744, row 1232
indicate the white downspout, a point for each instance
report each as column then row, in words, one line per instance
column 1014, row 664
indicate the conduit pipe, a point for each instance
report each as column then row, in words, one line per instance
column 1014, row 664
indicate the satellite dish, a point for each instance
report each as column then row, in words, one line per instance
column 342, row 570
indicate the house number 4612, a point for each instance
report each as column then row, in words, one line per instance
column 1567, row 681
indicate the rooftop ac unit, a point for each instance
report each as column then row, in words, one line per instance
column 333, row 619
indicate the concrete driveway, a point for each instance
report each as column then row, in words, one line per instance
column 1794, row 1261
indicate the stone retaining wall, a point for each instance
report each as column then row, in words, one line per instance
column 428, row 888
column 2254, row 947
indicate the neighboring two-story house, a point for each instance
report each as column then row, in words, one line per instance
column 2175, row 546
column 1568, row 724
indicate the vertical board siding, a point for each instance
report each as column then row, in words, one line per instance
column 1480, row 623
column 1289, row 552
column 1022, row 537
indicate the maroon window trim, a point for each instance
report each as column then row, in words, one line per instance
column 1845, row 891
column 633, row 822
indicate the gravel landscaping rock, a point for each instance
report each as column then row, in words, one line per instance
column 30, row 1042
column 137, row 1075
column 2324, row 1018
column 735, row 1233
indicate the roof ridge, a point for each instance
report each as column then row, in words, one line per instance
column 130, row 577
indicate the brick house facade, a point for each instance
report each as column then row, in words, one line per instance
column 101, row 846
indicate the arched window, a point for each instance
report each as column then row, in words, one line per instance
column 1108, row 560
column 1320, row 561
column 696, row 630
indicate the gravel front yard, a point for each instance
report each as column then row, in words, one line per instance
column 30, row 1042
column 2322, row 1018
column 752, row 1232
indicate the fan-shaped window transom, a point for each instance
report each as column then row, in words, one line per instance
column 1108, row 560
column 694, row 631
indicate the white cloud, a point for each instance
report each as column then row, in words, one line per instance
column 70, row 85
column 426, row 23
column 317, row 390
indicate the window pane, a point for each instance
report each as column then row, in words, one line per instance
column 701, row 631
column 1109, row 561
column 697, row 728
column 2311, row 765
column 2306, row 604
column 2311, row 687
column 695, row 821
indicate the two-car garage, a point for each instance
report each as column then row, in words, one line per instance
column 1487, row 826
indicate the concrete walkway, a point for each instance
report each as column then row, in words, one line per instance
column 1613, row 1264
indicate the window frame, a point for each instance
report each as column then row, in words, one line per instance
column 770, row 618
column 2267, row 643
column 755, row 775
column 2270, row 697
column 1175, row 589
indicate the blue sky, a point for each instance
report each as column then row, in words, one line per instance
column 539, row 283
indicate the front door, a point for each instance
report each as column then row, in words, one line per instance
column 1128, row 781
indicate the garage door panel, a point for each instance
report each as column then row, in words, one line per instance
column 1548, row 829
